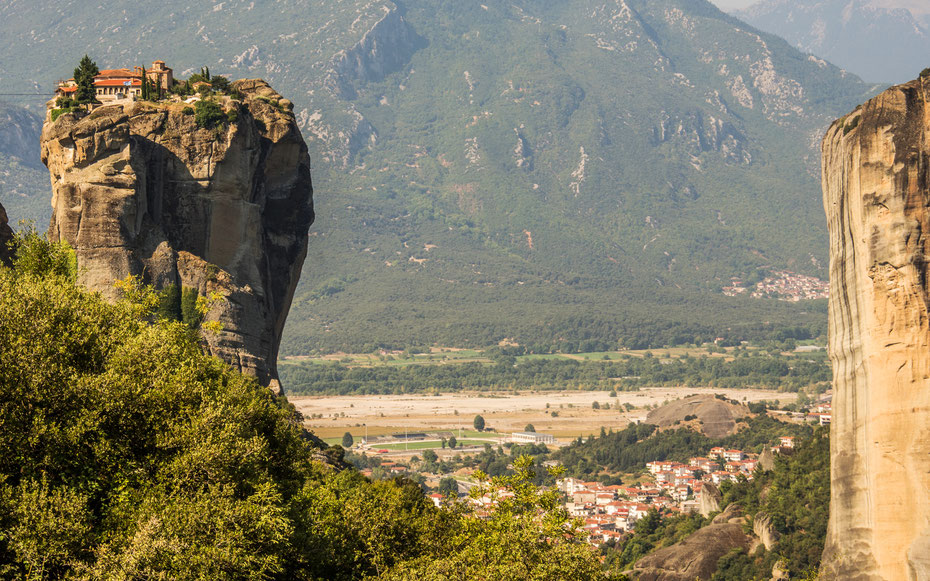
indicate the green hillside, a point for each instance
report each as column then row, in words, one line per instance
column 24, row 185
column 551, row 172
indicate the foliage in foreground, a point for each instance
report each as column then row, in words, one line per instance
column 126, row 453
column 527, row 536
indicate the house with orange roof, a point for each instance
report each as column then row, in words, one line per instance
column 116, row 84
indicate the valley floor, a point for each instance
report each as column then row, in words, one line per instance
column 504, row 411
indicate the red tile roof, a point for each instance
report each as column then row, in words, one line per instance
column 114, row 73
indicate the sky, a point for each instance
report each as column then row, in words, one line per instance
column 918, row 7
column 727, row 5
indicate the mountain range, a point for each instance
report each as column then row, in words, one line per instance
column 551, row 172
column 24, row 184
column 875, row 41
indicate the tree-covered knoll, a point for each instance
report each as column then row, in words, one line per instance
column 755, row 369
column 126, row 453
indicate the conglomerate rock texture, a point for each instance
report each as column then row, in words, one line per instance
column 139, row 189
column 6, row 234
column 875, row 184
column 696, row 556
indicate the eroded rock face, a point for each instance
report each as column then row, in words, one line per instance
column 6, row 234
column 696, row 556
column 139, row 189
column 875, row 184
column 709, row 499
column 764, row 529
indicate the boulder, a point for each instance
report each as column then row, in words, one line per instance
column 695, row 558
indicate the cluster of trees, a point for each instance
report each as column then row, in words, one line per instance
column 548, row 329
column 752, row 369
column 86, row 93
column 796, row 496
column 492, row 461
column 126, row 452
column 629, row 449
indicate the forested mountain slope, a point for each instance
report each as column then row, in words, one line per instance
column 547, row 171
column 23, row 180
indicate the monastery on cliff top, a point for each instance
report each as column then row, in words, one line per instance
column 113, row 84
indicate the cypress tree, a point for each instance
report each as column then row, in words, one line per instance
column 84, row 77
column 169, row 306
column 189, row 314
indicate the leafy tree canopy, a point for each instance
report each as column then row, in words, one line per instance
column 127, row 453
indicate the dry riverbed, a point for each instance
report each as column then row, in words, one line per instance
column 503, row 411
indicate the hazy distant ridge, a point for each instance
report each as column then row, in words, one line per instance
column 879, row 44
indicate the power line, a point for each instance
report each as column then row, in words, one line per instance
column 27, row 94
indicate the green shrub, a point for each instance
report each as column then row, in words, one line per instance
column 187, row 111
column 190, row 316
column 56, row 113
column 850, row 125
column 219, row 84
column 209, row 114
column 169, row 305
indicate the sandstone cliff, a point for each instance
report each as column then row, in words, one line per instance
column 140, row 189
column 709, row 499
column 6, row 234
column 876, row 171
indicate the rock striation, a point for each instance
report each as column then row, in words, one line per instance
column 6, row 235
column 764, row 529
column 709, row 499
column 140, row 189
column 876, row 173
